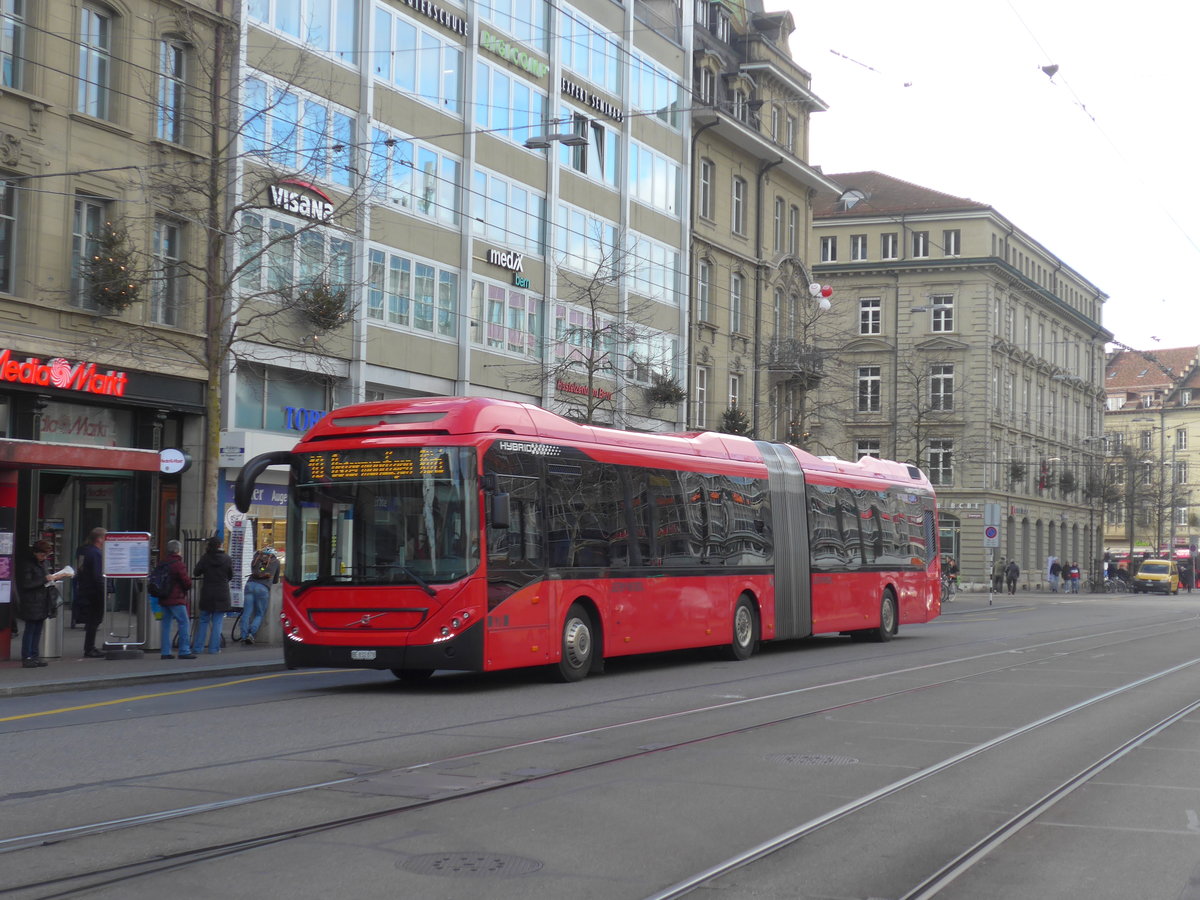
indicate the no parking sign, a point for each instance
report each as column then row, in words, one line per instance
column 991, row 536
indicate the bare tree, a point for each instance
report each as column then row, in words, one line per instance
column 601, row 349
column 281, row 286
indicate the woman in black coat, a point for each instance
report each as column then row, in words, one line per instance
column 34, row 601
column 216, row 568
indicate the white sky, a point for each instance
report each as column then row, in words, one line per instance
column 1098, row 164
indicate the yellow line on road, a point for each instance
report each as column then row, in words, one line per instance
column 207, row 687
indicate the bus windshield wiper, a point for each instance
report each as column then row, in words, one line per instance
column 421, row 582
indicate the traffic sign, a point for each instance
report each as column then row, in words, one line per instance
column 991, row 536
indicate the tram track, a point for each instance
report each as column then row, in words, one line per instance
column 1042, row 651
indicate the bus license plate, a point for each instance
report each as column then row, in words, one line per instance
column 362, row 654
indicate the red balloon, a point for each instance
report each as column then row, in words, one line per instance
column 826, row 291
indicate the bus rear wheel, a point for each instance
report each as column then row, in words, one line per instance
column 745, row 630
column 577, row 645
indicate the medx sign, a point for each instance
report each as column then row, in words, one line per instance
column 510, row 259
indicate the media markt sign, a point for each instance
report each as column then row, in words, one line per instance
column 59, row 373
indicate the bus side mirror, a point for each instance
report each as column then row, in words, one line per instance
column 500, row 510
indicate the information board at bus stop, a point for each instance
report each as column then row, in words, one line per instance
column 127, row 554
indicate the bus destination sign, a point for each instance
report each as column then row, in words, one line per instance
column 375, row 465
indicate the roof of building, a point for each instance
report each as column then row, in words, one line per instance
column 1136, row 370
column 885, row 195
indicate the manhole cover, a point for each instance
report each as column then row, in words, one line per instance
column 471, row 865
column 813, row 759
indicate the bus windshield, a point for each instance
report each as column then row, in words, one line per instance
column 396, row 515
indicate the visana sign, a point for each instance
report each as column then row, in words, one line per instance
column 59, row 373
column 319, row 208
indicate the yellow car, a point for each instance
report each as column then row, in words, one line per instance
column 1156, row 575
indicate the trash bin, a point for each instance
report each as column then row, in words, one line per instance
column 52, row 634
column 149, row 619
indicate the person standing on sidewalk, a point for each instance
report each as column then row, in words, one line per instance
column 264, row 572
column 1011, row 573
column 91, row 590
column 216, row 568
column 175, row 604
column 35, row 602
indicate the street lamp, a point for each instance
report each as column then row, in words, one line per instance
column 543, row 141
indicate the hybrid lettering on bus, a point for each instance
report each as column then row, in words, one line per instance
column 479, row 534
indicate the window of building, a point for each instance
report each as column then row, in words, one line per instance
column 867, row 447
column 590, row 50
column 941, row 387
column 417, row 61
column 585, row 240
column 655, row 269
column 279, row 257
column 8, row 233
column 941, row 462
column 739, row 205
column 952, row 242
column 829, row 248
column 870, row 315
column 870, row 389
column 90, row 216
column 330, row 26
column 269, row 398
column 1146, row 440
column 503, row 318
column 166, row 295
column 780, row 213
column 704, row 272
column 524, row 20
column 858, row 246
column 794, row 230
column 654, row 90
column 741, row 104
column 511, row 108
column 789, row 134
column 654, row 178
column 735, row 391
column 172, row 56
column 95, row 62
column 1181, row 439
column 706, row 87
column 300, row 133
column 708, row 172
column 942, row 307
column 736, row 283
column 423, row 180
column 651, row 354
column 507, row 213
column 12, row 43
column 920, row 244
column 718, row 21
column 700, row 416
column 888, row 246
column 1181, row 471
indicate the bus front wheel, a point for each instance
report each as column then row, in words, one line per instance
column 577, row 645
column 889, row 619
column 745, row 630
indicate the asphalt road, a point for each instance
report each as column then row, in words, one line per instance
column 1044, row 746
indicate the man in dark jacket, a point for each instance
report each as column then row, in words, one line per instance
column 175, row 604
column 1011, row 573
column 34, row 602
column 90, row 590
column 216, row 568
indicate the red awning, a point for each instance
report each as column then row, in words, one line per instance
column 45, row 455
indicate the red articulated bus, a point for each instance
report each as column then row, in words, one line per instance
column 478, row 534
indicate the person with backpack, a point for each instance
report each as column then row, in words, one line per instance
column 1011, row 573
column 171, row 583
column 216, row 568
column 264, row 572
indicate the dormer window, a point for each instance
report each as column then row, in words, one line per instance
column 706, row 86
column 718, row 22
column 740, row 104
column 850, row 199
